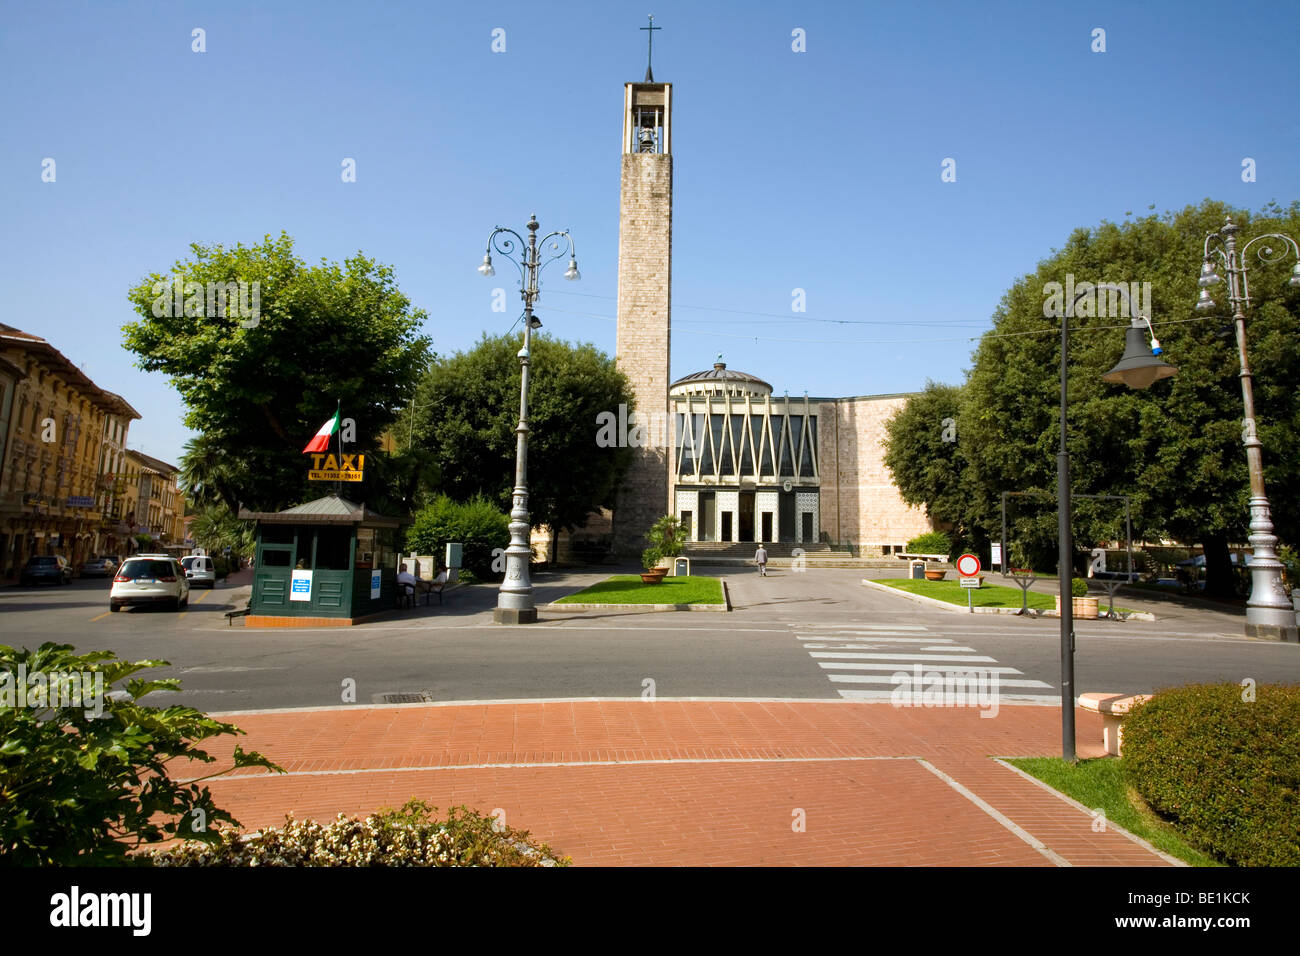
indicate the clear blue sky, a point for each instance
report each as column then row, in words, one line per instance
column 817, row 170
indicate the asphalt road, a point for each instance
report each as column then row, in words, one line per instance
column 819, row 634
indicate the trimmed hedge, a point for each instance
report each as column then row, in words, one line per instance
column 1223, row 762
column 932, row 542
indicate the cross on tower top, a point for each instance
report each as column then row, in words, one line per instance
column 650, row 46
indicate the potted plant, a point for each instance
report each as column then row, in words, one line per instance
column 666, row 536
column 665, row 539
column 935, row 574
column 1082, row 606
column 652, row 573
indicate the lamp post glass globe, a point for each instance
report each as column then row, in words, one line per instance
column 486, row 268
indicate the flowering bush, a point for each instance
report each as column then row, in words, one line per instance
column 403, row 837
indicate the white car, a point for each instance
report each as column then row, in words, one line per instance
column 199, row 569
column 150, row 579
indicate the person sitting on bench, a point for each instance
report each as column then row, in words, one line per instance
column 406, row 583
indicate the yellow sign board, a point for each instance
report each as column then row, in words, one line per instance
column 327, row 467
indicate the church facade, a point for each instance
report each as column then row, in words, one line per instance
column 749, row 467
column 735, row 463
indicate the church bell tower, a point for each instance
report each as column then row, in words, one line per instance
column 645, row 255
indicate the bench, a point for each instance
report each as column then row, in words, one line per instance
column 1113, row 709
column 425, row 587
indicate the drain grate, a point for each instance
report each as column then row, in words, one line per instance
column 422, row 697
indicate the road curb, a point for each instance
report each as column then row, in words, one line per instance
column 957, row 608
column 721, row 608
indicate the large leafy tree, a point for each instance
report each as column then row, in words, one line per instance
column 468, row 408
column 257, row 389
column 1174, row 449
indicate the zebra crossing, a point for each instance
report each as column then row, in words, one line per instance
column 904, row 664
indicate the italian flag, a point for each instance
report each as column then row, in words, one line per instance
column 322, row 440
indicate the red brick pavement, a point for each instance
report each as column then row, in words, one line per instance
column 694, row 782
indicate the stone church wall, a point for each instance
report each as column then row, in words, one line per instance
column 859, row 502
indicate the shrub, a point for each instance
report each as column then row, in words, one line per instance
column 932, row 542
column 476, row 524
column 650, row 558
column 1226, row 770
column 1078, row 587
column 84, row 776
column 405, row 837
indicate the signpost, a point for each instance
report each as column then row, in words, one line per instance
column 968, row 569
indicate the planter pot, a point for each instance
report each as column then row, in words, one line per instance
column 936, row 575
column 1084, row 608
column 654, row 576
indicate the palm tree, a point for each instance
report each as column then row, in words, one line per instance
column 207, row 476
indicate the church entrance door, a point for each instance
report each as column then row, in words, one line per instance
column 746, row 516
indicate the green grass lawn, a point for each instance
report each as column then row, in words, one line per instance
column 1100, row 785
column 990, row 595
column 630, row 589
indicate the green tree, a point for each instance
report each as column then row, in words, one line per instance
column 1175, row 449
column 257, row 388
column 468, row 408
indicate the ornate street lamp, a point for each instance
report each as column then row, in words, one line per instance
column 515, row 599
column 1139, row 368
column 1268, row 613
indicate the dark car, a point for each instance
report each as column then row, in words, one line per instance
column 48, row 569
column 103, row 567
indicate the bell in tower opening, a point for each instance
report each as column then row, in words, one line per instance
column 647, row 131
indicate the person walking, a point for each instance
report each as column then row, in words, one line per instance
column 760, row 558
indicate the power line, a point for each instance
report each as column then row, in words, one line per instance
column 1053, row 330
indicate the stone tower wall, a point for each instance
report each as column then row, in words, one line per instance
column 645, row 240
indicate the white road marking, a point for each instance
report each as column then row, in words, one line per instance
column 972, row 658
column 852, row 649
column 918, row 700
column 895, row 668
column 883, row 679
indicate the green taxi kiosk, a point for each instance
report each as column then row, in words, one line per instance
column 328, row 561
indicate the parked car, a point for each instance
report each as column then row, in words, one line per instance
column 150, row 579
column 49, row 568
column 200, row 570
column 101, row 567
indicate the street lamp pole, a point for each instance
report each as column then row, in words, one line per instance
column 1268, row 613
column 1138, row 368
column 515, row 599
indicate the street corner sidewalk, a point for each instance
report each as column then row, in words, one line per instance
column 668, row 783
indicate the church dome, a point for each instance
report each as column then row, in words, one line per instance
column 720, row 380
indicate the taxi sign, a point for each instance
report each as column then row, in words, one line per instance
column 328, row 467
